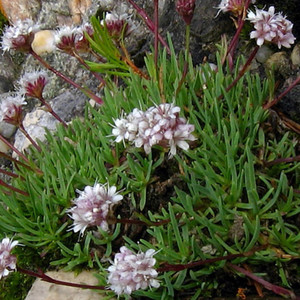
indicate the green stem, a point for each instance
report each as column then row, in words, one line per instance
column 187, row 41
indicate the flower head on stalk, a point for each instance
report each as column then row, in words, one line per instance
column 131, row 272
column 236, row 7
column 185, row 9
column 11, row 109
column 32, row 84
column 81, row 42
column 93, row 206
column 271, row 27
column 118, row 25
column 65, row 38
column 19, row 36
column 159, row 125
column 7, row 261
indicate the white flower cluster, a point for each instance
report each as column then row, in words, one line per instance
column 9, row 106
column 131, row 272
column 31, row 80
column 92, row 206
column 14, row 35
column 271, row 27
column 160, row 125
column 7, row 261
column 232, row 5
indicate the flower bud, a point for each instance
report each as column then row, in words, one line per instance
column 185, row 9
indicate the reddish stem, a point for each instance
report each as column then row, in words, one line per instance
column 11, row 174
column 179, row 267
column 12, row 188
column 155, row 32
column 52, row 112
column 276, row 100
column 23, row 130
column 67, row 79
column 14, row 148
column 242, row 72
column 149, row 23
column 282, row 160
column 272, row 287
column 47, row 278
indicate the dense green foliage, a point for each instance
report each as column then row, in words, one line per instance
column 220, row 197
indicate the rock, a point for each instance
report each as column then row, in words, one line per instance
column 78, row 8
column 43, row 42
column 280, row 63
column 20, row 9
column 3, row 147
column 295, row 56
column 7, row 130
column 263, row 54
column 68, row 105
column 48, row 291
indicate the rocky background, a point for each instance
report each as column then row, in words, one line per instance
column 206, row 31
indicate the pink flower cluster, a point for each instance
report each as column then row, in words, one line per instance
column 159, row 125
column 131, row 272
column 7, row 261
column 271, row 27
column 92, row 207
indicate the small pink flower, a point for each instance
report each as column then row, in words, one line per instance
column 32, row 84
column 271, row 27
column 131, row 272
column 7, row 261
column 92, row 207
column 11, row 109
column 19, row 36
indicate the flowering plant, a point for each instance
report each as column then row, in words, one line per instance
column 172, row 179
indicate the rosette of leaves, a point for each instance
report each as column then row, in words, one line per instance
column 219, row 197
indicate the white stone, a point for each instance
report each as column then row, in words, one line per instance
column 35, row 123
column 295, row 56
column 42, row 290
column 263, row 54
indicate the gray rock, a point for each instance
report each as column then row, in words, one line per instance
column 295, row 56
column 67, row 105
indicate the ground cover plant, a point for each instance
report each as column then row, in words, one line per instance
column 175, row 180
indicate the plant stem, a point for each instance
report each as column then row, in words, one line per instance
column 52, row 112
column 187, row 41
column 67, row 79
column 282, row 160
column 155, row 33
column 276, row 100
column 10, row 174
column 272, row 287
column 12, row 188
column 81, row 60
column 47, row 278
column 149, row 23
column 17, row 162
column 14, row 148
column 178, row 267
column 23, row 130
column 242, row 72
